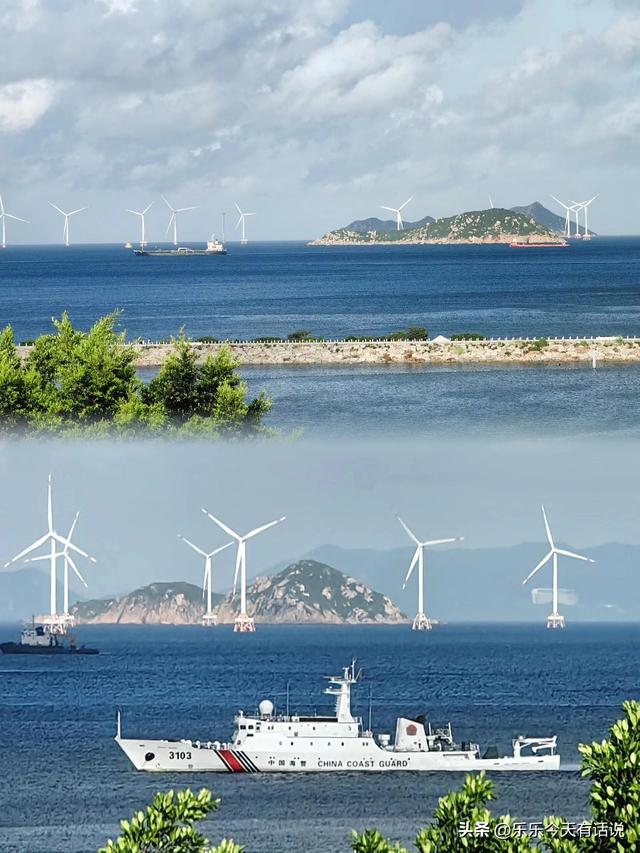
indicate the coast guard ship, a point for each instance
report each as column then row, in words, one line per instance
column 264, row 742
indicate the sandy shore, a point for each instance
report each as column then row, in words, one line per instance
column 497, row 351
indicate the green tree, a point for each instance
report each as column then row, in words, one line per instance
column 86, row 383
column 166, row 826
column 411, row 333
column 613, row 767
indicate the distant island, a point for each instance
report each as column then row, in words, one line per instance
column 307, row 591
column 530, row 224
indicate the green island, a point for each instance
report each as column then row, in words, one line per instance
column 86, row 383
column 462, row 823
column 495, row 225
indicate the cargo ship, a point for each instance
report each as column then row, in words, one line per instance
column 42, row 640
column 266, row 742
column 213, row 247
column 559, row 245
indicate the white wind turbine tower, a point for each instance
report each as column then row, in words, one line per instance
column 173, row 219
column 68, row 561
column 241, row 221
column 584, row 205
column 65, row 230
column 54, row 619
column 554, row 620
column 422, row 622
column 569, row 209
column 209, row 617
column 396, row 210
column 141, row 214
column 4, row 216
column 244, row 623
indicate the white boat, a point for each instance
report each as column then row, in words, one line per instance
column 264, row 742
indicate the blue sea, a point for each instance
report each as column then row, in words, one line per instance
column 277, row 288
column 66, row 784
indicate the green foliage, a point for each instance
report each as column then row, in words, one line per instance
column 167, row 825
column 302, row 336
column 412, row 333
column 267, row 339
column 207, row 339
column 540, row 344
column 86, row 383
column 613, row 767
column 468, row 336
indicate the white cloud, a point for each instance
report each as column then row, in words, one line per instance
column 22, row 104
column 119, row 7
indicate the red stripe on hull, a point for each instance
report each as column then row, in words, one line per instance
column 231, row 760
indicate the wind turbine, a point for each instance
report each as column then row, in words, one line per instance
column 4, row 216
column 244, row 623
column 65, row 230
column 584, row 205
column 141, row 214
column 68, row 561
column 554, row 620
column 173, row 219
column 209, row 617
column 490, row 202
column 567, row 219
column 421, row 622
column 52, row 537
column 241, row 221
column 396, row 210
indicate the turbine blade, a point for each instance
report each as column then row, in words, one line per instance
column 182, row 209
column 73, row 547
column 57, row 208
column 147, row 209
column 547, row 528
column 239, row 220
column 415, row 538
column 538, row 567
column 30, row 548
column 136, row 212
column 444, row 541
column 79, row 210
column 217, row 551
column 1, row 206
column 166, row 202
column 11, row 216
column 238, row 561
column 73, row 527
column 49, row 506
column 392, row 209
column 405, row 203
column 238, row 208
column 57, row 554
column 191, row 545
column 75, row 568
column 221, row 524
column 173, row 216
column 263, row 527
column 575, row 556
column 412, row 564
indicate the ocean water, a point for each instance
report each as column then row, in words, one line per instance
column 66, row 784
column 479, row 401
column 276, row 288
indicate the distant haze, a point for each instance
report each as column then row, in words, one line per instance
column 312, row 114
column 135, row 498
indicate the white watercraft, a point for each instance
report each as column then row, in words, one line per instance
column 264, row 742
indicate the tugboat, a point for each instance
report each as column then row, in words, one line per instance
column 45, row 640
column 266, row 742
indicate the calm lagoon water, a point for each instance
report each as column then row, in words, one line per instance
column 66, row 783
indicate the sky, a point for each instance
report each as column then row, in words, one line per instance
column 313, row 114
column 135, row 498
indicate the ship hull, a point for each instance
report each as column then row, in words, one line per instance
column 19, row 649
column 159, row 756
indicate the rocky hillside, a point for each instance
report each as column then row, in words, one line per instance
column 373, row 223
column 307, row 591
column 175, row 603
column 495, row 225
